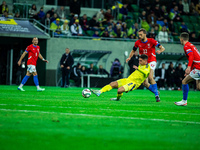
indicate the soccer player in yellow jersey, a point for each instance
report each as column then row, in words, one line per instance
column 128, row 84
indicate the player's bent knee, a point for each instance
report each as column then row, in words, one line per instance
column 184, row 82
column 151, row 80
column 145, row 83
column 120, row 90
column 28, row 74
column 113, row 84
column 198, row 86
column 34, row 73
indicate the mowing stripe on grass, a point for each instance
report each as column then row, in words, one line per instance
column 136, row 111
column 101, row 116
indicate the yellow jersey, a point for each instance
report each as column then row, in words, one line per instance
column 139, row 75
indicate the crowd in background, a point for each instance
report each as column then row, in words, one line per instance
column 156, row 18
column 161, row 19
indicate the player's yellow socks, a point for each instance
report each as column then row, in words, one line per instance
column 106, row 88
column 119, row 95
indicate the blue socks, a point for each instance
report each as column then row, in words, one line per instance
column 153, row 89
column 35, row 79
column 185, row 88
column 25, row 79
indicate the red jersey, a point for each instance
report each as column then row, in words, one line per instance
column 33, row 52
column 192, row 55
column 147, row 48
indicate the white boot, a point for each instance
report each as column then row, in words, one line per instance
column 181, row 103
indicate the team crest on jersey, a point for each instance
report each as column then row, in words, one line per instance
column 149, row 45
column 152, row 65
column 194, row 71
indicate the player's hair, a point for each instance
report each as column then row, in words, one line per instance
column 144, row 57
column 184, row 36
column 143, row 30
column 35, row 38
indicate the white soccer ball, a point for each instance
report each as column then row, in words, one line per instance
column 86, row 93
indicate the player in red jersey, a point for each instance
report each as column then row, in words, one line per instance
column 33, row 51
column 193, row 69
column 147, row 46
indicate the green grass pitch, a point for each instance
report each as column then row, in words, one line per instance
column 60, row 118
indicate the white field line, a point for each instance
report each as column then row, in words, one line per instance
column 134, row 111
column 102, row 116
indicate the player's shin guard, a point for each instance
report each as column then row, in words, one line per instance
column 119, row 95
column 185, row 88
column 106, row 88
column 153, row 89
column 35, row 79
column 24, row 80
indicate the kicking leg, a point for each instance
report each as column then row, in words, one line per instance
column 106, row 88
column 109, row 87
column 24, row 80
column 185, row 89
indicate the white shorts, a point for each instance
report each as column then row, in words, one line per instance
column 31, row 68
column 195, row 74
column 153, row 65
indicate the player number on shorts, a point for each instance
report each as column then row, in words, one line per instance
column 145, row 51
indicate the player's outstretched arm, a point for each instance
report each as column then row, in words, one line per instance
column 130, row 55
column 42, row 58
column 162, row 49
column 22, row 57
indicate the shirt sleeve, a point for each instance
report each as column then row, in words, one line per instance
column 190, row 55
column 135, row 46
column 28, row 49
column 155, row 43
